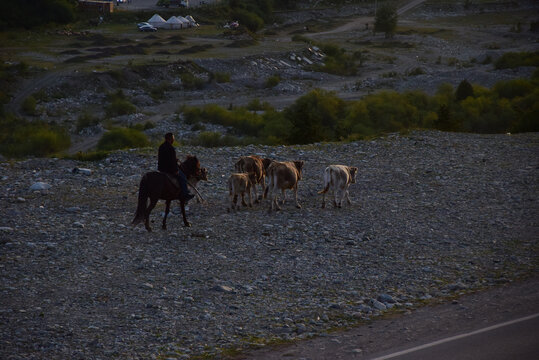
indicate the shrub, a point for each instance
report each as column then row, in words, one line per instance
column 513, row 88
column 250, row 20
column 89, row 156
column 512, row 60
column 272, row 81
column 221, row 77
column 21, row 138
column 191, row 82
column 385, row 20
column 86, row 119
column 464, row 90
column 29, row 106
column 215, row 139
column 119, row 105
column 122, row 138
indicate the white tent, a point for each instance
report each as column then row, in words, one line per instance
column 174, row 23
column 192, row 21
column 157, row 21
column 185, row 22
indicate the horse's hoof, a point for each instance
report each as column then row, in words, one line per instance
column 187, row 224
column 298, row 206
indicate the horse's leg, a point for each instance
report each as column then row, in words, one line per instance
column 185, row 222
column 323, row 200
column 153, row 202
column 234, row 202
column 243, row 197
column 164, row 227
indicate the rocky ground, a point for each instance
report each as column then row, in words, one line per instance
column 434, row 215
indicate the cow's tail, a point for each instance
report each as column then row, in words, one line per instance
column 270, row 183
column 142, row 200
column 327, row 181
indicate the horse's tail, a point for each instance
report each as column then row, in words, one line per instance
column 142, row 200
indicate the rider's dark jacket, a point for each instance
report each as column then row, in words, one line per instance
column 166, row 159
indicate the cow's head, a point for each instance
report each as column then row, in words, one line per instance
column 299, row 165
column 353, row 173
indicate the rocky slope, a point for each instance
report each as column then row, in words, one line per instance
column 434, row 214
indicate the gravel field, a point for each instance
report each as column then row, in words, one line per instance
column 434, row 215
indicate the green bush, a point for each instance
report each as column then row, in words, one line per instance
column 191, row 82
column 122, row 138
column 89, row 156
column 215, row 139
column 250, row 20
column 464, row 90
column 272, row 81
column 386, row 20
column 221, row 77
column 512, row 60
column 86, row 119
column 119, row 105
column 513, row 88
column 29, row 106
column 21, row 138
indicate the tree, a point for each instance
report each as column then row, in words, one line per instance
column 464, row 90
column 386, row 20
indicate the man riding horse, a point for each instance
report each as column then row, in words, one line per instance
column 167, row 162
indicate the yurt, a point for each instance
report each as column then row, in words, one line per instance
column 184, row 21
column 157, row 21
column 174, row 23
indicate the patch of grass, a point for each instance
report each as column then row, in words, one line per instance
column 119, row 105
column 88, row 156
column 86, row 119
column 192, row 82
column 122, row 138
column 221, row 77
column 416, row 71
column 215, row 139
column 242, row 43
column 29, row 106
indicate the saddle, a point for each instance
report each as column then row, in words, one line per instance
column 172, row 179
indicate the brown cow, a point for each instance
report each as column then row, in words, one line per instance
column 239, row 184
column 194, row 179
column 338, row 178
column 256, row 165
column 283, row 175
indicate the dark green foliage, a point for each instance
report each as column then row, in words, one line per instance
column 314, row 117
column 273, row 81
column 386, row 20
column 119, row 105
column 191, row 82
column 86, row 119
column 512, row 60
column 338, row 61
column 32, row 13
column 250, row 20
column 221, row 77
column 122, row 138
column 29, row 106
column 511, row 106
column 20, row 138
column 464, row 90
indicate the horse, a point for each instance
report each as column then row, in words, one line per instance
column 157, row 186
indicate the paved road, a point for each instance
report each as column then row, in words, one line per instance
column 514, row 339
column 477, row 326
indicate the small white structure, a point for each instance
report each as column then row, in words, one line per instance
column 174, row 23
column 192, row 21
column 184, row 21
column 158, row 22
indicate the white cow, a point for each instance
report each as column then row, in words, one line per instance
column 338, row 178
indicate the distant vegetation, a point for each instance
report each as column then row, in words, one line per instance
column 122, row 138
column 510, row 106
column 32, row 13
column 21, row 138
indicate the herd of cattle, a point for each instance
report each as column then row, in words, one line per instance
column 283, row 175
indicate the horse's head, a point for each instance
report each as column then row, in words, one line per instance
column 191, row 166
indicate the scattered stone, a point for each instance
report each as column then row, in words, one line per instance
column 40, row 186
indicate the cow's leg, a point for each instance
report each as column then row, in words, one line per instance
column 263, row 195
column 243, row 197
column 343, row 195
column 283, row 193
column 167, row 209
column 153, row 202
column 335, row 194
column 234, row 201
column 348, row 197
column 253, row 189
column 323, row 200
column 296, row 196
column 251, row 199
